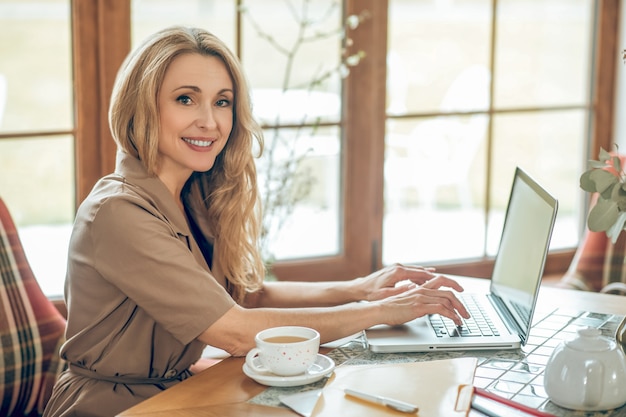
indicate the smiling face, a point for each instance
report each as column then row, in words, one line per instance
column 196, row 103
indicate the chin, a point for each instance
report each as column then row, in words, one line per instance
column 204, row 168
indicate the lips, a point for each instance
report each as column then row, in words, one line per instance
column 199, row 142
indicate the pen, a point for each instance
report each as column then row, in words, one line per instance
column 502, row 405
column 397, row 405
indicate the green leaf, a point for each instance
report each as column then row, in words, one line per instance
column 604, row 155
column 603, row 215
column 603, row 179
column 586, row 183
column 620, row 198
column 615, row 192
column 617, row 228
column 593, row 164
column 617, row 164
column 609, row 193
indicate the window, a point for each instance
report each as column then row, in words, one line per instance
column 474, row 89
column 541, row 94
column 37, row 131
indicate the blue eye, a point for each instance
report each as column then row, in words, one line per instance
column 223, row 103
column 184, row 99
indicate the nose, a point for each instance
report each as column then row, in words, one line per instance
column 205, row 117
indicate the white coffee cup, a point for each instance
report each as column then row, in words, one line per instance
column 284, row 351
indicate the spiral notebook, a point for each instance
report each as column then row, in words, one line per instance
column 509, row 305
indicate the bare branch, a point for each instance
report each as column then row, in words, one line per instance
column 285, row 183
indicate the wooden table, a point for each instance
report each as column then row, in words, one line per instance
column 223, row 390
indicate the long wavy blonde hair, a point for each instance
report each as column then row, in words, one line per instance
column 229, row 190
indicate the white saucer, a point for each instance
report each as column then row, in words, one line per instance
column 322, row 366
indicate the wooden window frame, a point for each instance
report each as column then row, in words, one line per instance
column 101, row 40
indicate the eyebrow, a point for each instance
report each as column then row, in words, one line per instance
column 190, row 87
column 198, row 90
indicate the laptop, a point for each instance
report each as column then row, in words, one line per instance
column 510, row 302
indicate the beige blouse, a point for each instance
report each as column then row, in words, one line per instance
column 139, row 293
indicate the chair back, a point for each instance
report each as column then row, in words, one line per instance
column 598, row 264
column 31, row 330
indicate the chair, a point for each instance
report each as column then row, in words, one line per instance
column 599, row 264
column 31, row 330
column 614, row 288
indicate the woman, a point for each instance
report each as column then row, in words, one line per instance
column 163, row 256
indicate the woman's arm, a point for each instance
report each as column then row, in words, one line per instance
column 235, row 330
column 386, row 282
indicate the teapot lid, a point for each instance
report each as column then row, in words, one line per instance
column 590, row 339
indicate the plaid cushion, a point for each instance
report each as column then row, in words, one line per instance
column 31, row 330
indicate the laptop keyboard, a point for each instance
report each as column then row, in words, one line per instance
column 479, row 324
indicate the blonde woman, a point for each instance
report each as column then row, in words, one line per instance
column 163, row 257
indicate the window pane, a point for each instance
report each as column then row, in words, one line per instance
column 294, row 47
column 39, row 191
column 216, row 16
column 299, row 176
column 35, row 66
column 274, row 106
column 434, row 188
column 550, row 147
column 291, row 52
column 543, row 52
column 430, row 44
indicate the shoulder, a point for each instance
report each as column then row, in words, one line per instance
column 117, row 206
column 112, row 193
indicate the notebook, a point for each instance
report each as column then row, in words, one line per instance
column 437, row 388
column 510, row 302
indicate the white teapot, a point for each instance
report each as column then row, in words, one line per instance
column 587, row 373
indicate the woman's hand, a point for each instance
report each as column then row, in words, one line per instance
column 413, row 291
column 428, row 298
column 393, row 280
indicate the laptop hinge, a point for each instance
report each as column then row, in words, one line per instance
column 507, row 317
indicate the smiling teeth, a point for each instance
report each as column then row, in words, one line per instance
column 195, row 142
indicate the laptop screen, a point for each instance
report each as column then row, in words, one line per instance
column 524, row 243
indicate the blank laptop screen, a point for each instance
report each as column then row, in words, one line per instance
column 523, row 246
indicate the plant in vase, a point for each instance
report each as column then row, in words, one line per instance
column 606, row 178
